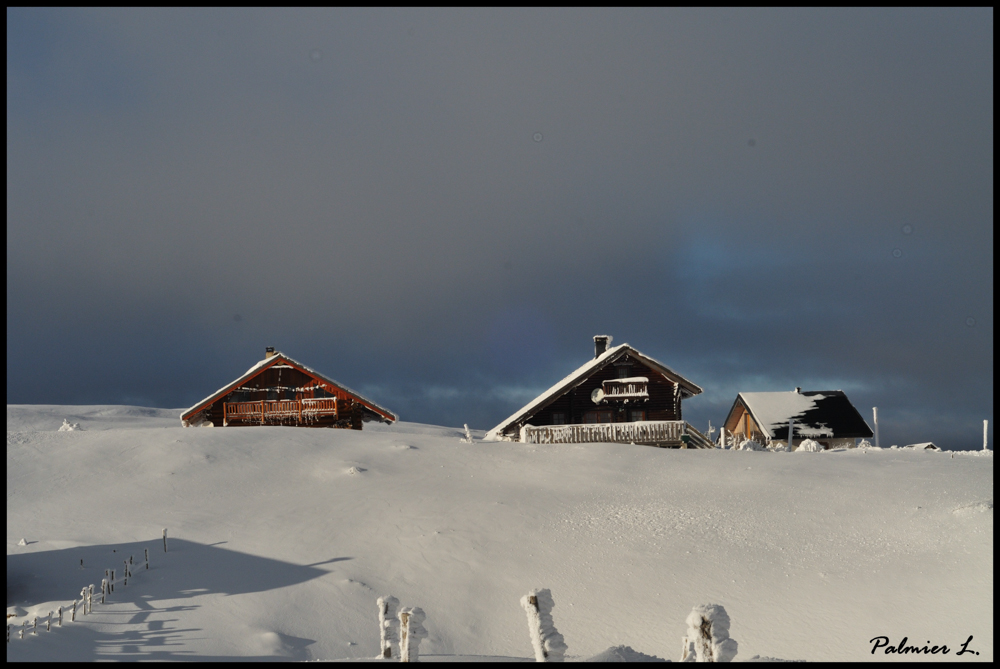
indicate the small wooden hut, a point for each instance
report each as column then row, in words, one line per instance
column 281, row 391
column 825, row 416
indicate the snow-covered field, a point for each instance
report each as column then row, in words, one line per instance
column 281, row 540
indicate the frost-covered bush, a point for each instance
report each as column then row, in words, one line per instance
column 749, row 445
column 809, row 446
column 707, row 637
column 865, row 444
column 547, row 641
column 777, row 446
column 468, row 435
column 69, row 427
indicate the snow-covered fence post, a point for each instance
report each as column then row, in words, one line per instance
column 791, row 434
column 388, row 625
column 986, row 425
column 147, row 557
column 34, row 626
column 104, row 589
column 60, row 616
column 707, row 637
column 20, row 634
column 90, row 598
column 875, row 414
column 164, row 540
column 48, row 623
column 72, row 616
column 83, row 599
column 112, row 581
column 547, row 641
column 468, row 434
column 411, row 631
column 125, row 577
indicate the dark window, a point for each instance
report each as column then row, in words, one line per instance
column 597, row 417
column 624, row 371
column 558, row 419
column 637, row 414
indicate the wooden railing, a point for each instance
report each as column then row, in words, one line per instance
column 638, row 432
column 278, row 410
column 626, row 388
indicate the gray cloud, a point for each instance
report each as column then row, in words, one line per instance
column 446, row 205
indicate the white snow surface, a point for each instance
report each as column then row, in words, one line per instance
column 278, row 552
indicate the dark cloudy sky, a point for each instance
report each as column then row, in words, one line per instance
column 440, row 208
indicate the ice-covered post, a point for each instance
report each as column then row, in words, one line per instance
column 545, row 639
column 48, row 623
column 147, row 557
column 72, row 616
column 791, row 433
column 34, row 626
column 126, row 572
column 164, row 540
column 104, row 589
column 388, row 625
column 875, row 414
column 83, row 599
column 986, row 425
column 411, row 631
column 707, row 637
column 60, row 616
column 90, row 598
column 468, row 434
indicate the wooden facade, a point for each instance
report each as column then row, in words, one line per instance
column 620, row 385
column 281, row 391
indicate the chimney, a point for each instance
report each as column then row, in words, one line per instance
column 798, row 390
column 601, row 343
column 268, row 352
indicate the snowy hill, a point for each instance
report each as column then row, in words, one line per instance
column 281, row 539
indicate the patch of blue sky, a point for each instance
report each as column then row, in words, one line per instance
column 66, row 59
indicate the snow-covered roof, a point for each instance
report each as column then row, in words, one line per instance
column 817, row 413
column 580, row 374
column 273, row 361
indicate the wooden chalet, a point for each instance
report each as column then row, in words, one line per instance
column 825, row 416
column 281, row 391
column 621, row 396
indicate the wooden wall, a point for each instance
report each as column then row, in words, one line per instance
column 663, row 402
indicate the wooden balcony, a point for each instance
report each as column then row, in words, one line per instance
column 634, row 388
column 282, row 411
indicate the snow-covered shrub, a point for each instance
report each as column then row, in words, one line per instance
column 548, row 643
column 388, row 624
column 69, row 427
column 468, row 435
column 777, row 447
column 749, row 445
column 707, row 637
column 411, row 631
column 809, row 446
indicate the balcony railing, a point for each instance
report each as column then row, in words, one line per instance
column 658, row 432
column 304, row 410
column 636, row 387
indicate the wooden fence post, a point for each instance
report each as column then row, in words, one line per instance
column 388, row 624
column 164, row 540
column 147, row 557
column 548, row 643
column 411, row 631
column 48, row 623
column 104, row 589
column 60, row 616
column 34, row 626
column 72, row 616
column 90, row 597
